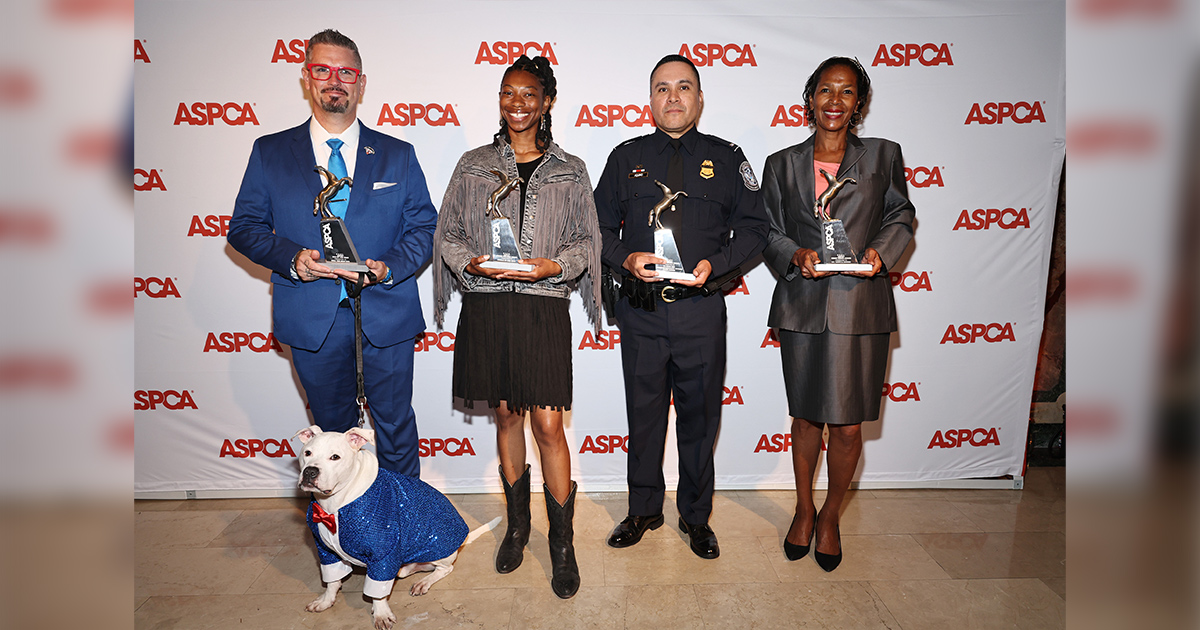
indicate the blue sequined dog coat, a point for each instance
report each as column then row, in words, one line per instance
column 397, row 521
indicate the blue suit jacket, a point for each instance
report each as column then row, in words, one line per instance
column 273, row 219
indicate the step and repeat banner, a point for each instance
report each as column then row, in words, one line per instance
column 973, row 92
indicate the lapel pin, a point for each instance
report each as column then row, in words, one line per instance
column 369, row 150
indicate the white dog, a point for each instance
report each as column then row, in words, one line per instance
column 392, row 524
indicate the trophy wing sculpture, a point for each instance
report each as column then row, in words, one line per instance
column 506, row 186
column 321, row 203
column 667, row 200
column 821, row 207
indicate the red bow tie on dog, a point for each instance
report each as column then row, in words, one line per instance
column 321, row 516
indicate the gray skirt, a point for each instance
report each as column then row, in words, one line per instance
column 832, row 378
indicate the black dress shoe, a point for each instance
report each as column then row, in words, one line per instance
column 830, row 561
column 703, row 540
column 628, row 532
column 795, row 552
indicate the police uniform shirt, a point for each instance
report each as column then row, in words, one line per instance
column 722, row 197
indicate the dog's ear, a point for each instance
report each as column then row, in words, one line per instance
column 360, row 437
column 307, row 433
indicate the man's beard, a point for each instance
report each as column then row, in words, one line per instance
column 335, row 107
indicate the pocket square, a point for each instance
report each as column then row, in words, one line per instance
column 379, row 185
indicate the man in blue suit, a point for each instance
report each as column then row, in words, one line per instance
column 391, row 220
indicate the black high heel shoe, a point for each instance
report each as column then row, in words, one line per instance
column 795, row 552
column 829, row 561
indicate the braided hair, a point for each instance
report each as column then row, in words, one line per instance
column 864, row 86
column 539, row 67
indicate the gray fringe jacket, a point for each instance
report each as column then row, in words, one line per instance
column 560, row 224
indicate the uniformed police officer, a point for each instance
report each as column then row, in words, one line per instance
column 673, row 333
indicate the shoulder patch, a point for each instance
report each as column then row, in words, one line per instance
column 748, row 177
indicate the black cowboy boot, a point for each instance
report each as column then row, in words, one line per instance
column 512, row 548
column 562, row 549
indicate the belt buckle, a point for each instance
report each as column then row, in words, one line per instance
column 662, row 293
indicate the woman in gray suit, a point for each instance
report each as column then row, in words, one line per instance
column 833, row 327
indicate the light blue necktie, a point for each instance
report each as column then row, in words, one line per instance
column 337, row 166
column 337, row 205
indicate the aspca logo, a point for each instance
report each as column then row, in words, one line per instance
column 921, row 177
column 147, row 180
column 291, row 51
column 155, row 287
column 603, row 340
column 910, row 281
column 144, row 399
column 732, row 55
column 454, row 447
column 982, row 219
column 901, row 392
column 505, row 53
column 955, row 438
column 235, row 341
column 610, row 115
column 904, row 54
column 209, row 225
column 209, row 113
column 252, row 447
column 139, row 51
column 770, row 340
column 443, row 341
column 407, row 115
column 733, row 396
column 969, row 333
column 778, row 443
column 604, row 444
column 740, row 288
column 790, row 116
column 995, row 113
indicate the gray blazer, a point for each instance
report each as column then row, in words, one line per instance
column 876, row 213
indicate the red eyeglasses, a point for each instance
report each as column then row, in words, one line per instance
column 322, row 72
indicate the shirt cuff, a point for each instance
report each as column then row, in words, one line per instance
column 334, row 572
column 376, row 589
column 292, row 269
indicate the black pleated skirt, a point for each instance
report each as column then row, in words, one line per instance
column 513, row 347
column 832, row 378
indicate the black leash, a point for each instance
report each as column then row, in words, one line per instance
column 355, row 291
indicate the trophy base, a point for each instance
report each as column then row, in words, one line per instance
column 842, row 267
column 673, row 275
column 348, row 266
column 512, row 266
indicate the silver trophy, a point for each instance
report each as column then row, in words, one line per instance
column 504, row 244
column 335, row 238
column 664, row 240
column 836, row 253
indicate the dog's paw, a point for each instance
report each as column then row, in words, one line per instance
column 420, row 588
column 382, row 615
column 319, row 604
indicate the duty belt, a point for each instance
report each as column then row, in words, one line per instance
column 643, row 295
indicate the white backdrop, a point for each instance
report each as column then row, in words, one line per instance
column 973, row 91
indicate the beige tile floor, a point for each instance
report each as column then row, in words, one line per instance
column 914, row 559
